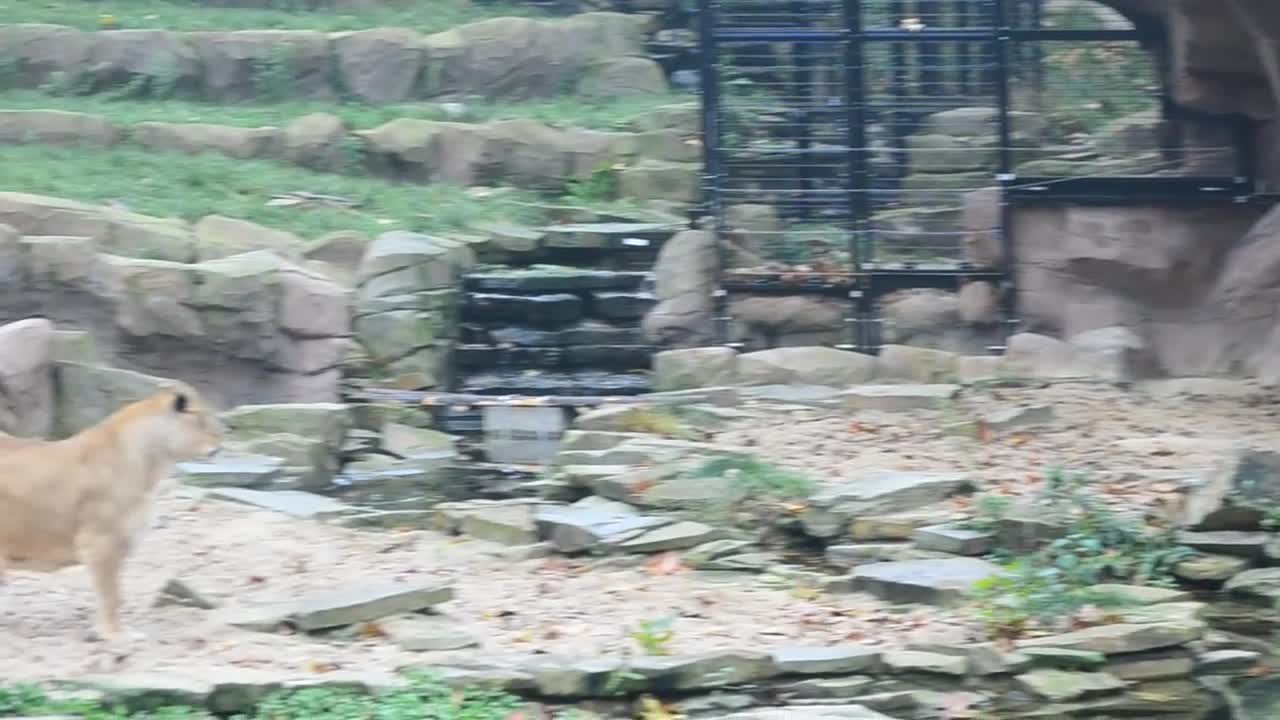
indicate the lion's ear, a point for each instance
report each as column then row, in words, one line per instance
column 180, row 402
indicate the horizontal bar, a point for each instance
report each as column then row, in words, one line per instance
column 1128, row 188
column 781, row 35
column 1034, row 35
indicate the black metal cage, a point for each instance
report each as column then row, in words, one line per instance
column 864, row 126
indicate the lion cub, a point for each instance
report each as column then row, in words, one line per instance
column 87, row 499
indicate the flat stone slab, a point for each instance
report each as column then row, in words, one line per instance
column 295, row 503
column 676, row 536
column 249, row 471
column 931, row 582
column 1064, row 685
column 418, row 633
column 953, row 539
column 894, row 398
column 1251, row 545
column 825, row 660
column 926, row 662
column 579, row 529
column 1121, row 637
column 878, row 493
column 344, row 607
column 1018, row 418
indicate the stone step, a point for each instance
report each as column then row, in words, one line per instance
column 586, row 382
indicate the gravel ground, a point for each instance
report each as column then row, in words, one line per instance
column 241, row 557
column 1138, row 446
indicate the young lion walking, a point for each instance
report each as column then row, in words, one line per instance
column 86, row 500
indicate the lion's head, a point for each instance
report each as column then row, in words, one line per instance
column 192, row 429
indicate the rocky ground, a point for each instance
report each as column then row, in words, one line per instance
column 1138, row 446
column 242, row 558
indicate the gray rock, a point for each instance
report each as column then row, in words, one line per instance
column 243, row 471
column 1063, row 685
column 1142, row 594
column 812, row 712
column 1064, row 658
column 179, row 592
column 1226, row 662
column 665, row 675
column 916, row 364
column 419, row 633
column 829, row 512
column 842, row 688
column 953, row 539
column 326, row 422
column 676, row 536
column 1249, row 545
column 1156, row 665
column 1019, row 418
column 856, row 554
column 904, row 661
column 713, row 550
column 1025, row 529
column 1261, row 585
column 506, row 525
column 891, row 398
column 805, row 366
column 573, row 530
column 1120, row 638
column 347, row 607
column 1209, row 568
column 1235, row 493
column 289, row 502
column 837, row 660
column 694, row 368
column 932, row 582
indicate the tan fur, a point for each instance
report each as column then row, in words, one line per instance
column 87, row 499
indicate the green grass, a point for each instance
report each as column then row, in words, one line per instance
column 424, row 697
column 421, row 15
column 191, row 186
column 560, row 112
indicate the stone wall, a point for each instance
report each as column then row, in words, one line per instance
column 509, row 58
column 242, row 326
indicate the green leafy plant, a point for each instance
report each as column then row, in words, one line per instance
column 600, row 186
column 989, row 510
column 756, row 478
column 654, row 636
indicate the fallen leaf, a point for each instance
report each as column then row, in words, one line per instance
column 667, row 563
column 317, row 666
column 1019, row 439
column 524, row 637
column 370, row 631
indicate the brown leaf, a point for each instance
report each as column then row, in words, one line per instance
column 370, row 631
column 667, row 563
column 317, row 666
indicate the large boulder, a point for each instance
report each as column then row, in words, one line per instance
column 39, row 54
column 264, row 64
column 26, row 378
column 158, row 63
column 196, row 138
column 219, row 236
column 381, row 65
column 57, row 127
column 805, row 366
column 320, row 141
column 109, row 230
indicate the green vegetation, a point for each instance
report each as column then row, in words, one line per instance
column 560, row 112
column 654, row 636
column 757, row 479
column 191, row 186
column 186, row 15
column 425, row 696
column 1058, row 581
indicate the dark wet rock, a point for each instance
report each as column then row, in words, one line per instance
column 1261, row 586
column 546, row 311
column 621, row 306
column 932, row 582
column 583, row 382
column 1250, row 545
column 1064, row 658
column 487, row 357
column 613, row 357
column 556, row 279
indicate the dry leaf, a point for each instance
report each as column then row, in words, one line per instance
column 667, row 563
column 523, row 637
column 1019, row 439
column 316, row 666
column 370, row 631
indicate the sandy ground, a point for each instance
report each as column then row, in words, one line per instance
column 1137, row 446
column 242, row 556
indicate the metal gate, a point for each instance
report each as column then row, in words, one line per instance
column 846, row 142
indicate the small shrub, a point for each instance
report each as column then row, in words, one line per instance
column 755, row 478
column 654, row 636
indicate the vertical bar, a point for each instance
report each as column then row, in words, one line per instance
column 930, row 52
column 1037, row 50
column 713, row 202
column 899, row 78
column 966, row 82
column 801, row 126
column 1000, row 45
column 856, row 157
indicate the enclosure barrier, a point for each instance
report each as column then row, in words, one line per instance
column 843, row 140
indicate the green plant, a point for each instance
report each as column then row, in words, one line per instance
column 1097, row 545
column 755, row 478
column 600, row 186
column 989, row 510
column 274, row 75
column 654, row 636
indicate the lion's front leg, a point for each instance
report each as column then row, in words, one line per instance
column 104, row 557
